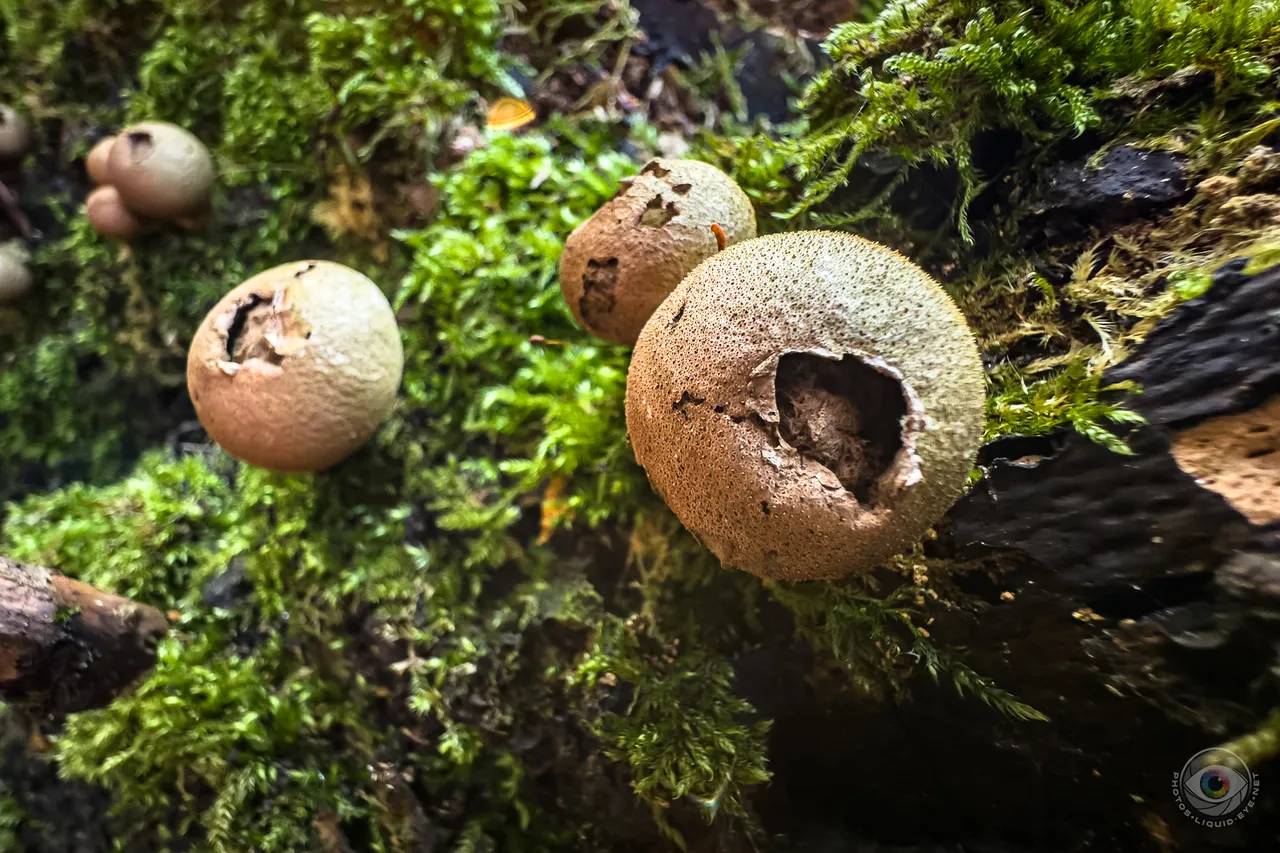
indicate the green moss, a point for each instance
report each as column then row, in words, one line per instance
column 1071, row 396
column 878, row 642
column 11, row 817
column 710, row 752
column 482, row 283
column 284, row 94
column 286, row 87
column 268, row 677
column 147, row 537
column 920, row 83
column 1260, row 745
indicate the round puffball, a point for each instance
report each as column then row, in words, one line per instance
column 296, row 368
column 808, row 404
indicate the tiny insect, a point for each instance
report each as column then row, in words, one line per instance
column 722, row 239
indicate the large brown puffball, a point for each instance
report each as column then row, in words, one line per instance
column 161, row 170
column 108, row 215
column 15, row 134
column 295, row 369
column 98, row 163
column 808, row 404
column 620, row 264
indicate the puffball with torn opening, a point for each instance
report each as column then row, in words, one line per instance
column 808, row 404
column 620, row 264
column 297, row 367
column 161, row 170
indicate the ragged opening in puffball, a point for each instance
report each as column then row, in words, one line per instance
column 844, row 415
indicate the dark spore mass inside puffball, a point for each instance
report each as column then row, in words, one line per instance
column 843, row 414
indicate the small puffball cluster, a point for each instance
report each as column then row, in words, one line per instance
column 15, row 141
column 807, row 404
column 150, row 173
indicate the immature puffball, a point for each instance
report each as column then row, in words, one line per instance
column 161, row 170
column 808, row 404
column 295, row 369
column 98, row 164
column 108, row 215
column 620, row 264
column 15, row 278
column 15, row 134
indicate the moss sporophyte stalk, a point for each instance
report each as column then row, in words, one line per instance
column 480, row 626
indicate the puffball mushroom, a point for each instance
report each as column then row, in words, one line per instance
column 620, row 264
column 295, row 369
column 808, row 404
column 109, row 216
column 15, row 278
column 161, row 170
column 15, row 134
column 98, row 164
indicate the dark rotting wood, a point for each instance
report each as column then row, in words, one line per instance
column 66, row 646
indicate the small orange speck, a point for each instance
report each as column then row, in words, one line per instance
column 510, row 114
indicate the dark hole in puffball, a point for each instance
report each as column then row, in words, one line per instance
column 140, row 145
column 246, row 339
column 598, row 285
column 843, row 414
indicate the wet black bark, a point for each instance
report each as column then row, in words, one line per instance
column 1143, row 618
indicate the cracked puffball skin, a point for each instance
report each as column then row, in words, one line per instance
column 808, row 404
column 297, row 367
column 620, row 264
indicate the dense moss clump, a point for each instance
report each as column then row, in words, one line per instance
column 484, row 631
column 1044, row 69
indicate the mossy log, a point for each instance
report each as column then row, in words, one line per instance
column 66, row 646
column 484, row 632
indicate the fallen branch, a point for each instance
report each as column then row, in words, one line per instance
column 66, row 646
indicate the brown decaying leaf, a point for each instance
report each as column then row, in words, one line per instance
column 349, row 210
column 554, row 507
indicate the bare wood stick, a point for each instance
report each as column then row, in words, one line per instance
column 66, row 646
